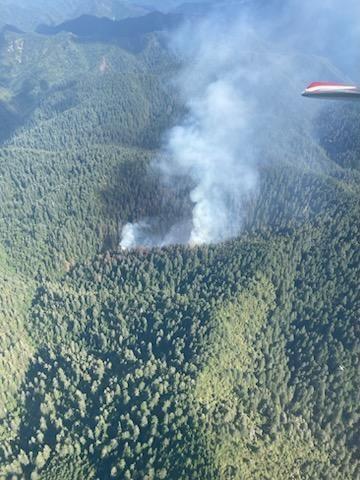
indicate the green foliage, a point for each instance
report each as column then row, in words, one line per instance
column 57, row 207
column 339, row 135
column 15, row 345
column 231, row 361
column 200, row 361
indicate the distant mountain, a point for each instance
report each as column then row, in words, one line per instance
column 28, row 15
column 72, row 69
column 105, row 28
column 10, row 28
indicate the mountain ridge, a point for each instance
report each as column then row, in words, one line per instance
column 89, row 26
column 28, row 16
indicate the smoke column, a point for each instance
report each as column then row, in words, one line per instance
column 213, row 144
column 241, row 84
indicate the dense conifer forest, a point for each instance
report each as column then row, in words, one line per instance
column 231, row 361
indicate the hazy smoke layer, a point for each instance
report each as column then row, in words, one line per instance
column 241, row 85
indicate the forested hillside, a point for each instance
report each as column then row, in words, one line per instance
column 76, row 122
column 231, row 361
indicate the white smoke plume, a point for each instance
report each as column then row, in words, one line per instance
column 241, row 85
column 213, row 144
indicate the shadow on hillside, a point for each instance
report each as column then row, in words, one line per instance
column 136, row 192
column 15, row 113
column 10, row 120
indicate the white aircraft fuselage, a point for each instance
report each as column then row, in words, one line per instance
column 332, row 91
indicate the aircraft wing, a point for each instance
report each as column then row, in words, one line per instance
column 332, row 91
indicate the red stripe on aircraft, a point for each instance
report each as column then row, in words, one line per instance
column 327, row 84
